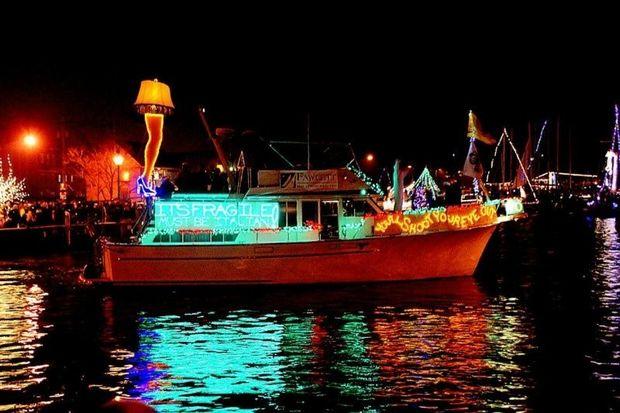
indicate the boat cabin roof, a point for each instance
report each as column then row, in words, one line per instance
column 313, row 181
column 211, row 197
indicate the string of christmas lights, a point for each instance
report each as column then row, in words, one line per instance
column 426, row 181
column 499, row 142
column 11, row 189
column 237, row 230
column 419, row 200
column 453, row 217
column 611, row 169
column 615, row 144
column 366, row 179
column 542, row 131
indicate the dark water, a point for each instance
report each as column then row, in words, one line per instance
column 535, row 330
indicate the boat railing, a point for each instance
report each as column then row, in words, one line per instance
column 140, row 225
column 280, row 235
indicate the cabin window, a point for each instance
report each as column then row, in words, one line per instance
column 288, row 214
column 194, row 237
column 291, row 214
column 309, row 212
column 329, row 219
column 329, row 208
column 356, row 208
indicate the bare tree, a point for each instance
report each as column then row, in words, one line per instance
column 95, row 165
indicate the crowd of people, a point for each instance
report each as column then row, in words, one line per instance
column 38, row 213
column 198, row 178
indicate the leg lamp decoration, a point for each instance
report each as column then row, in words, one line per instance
column 154, row 102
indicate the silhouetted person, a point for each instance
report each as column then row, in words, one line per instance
column 166, row 188
column 183, row 181
column 453, row 193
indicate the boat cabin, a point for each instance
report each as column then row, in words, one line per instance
column 284, row 206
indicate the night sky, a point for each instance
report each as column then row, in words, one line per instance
column 385, row 83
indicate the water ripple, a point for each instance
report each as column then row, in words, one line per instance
column 452, row 345
column 21, row 304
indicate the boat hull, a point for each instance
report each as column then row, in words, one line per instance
column 395, row 258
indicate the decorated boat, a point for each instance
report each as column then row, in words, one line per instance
column 295, row 226
column 605, row 202
column 299, row 227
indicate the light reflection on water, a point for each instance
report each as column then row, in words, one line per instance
column 606, row 283
column 460, row 352
column 461, row 344
column 239, row 354
column 21, row 304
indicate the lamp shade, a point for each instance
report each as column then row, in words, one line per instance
column 154, row 97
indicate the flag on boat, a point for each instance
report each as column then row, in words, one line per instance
column 474, row 131
column 473, row 166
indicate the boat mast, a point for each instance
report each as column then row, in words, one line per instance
column 540, row 137
column 611, row 169
column 557, row 147
column 501, row 138
column 510, row 156
column 615, row 148
column 523, row 170
column 504, row 157
column 548, row 164
column 308, row 138
column 218, row 148
column 529, row 139
column 570, row 159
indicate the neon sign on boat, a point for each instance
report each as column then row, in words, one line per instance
column 215, row 215
column 452, row 217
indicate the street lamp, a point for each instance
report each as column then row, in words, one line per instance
column 118, row 161
column 369, row 161
column 30, row 140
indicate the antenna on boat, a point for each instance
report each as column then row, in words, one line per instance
column 270, row 146
column 353, row 156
